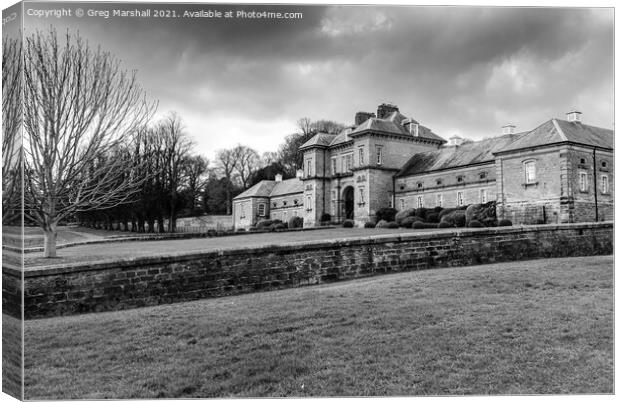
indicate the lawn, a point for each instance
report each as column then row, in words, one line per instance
column 115, row 250
column 541, row 326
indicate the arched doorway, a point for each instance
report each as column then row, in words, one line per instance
column 347, row 197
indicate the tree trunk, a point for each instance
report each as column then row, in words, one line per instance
column 160, row 224
column 49, row 236
column 151, row 225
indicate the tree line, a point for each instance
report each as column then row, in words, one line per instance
column 92, row 153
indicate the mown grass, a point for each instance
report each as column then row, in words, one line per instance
column 542, row 326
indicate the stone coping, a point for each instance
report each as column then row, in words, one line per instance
column 152, row 237
column 304, row 245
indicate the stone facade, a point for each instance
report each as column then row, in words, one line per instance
column 546, row 175
column 117, row 285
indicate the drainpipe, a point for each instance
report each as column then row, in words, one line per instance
column 394, row 191
column 595, row 187
column 324, row 176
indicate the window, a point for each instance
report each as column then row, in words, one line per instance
column 530, row 172
column 295, row 202
column 583, row 161
column 459, row 198
column 284, row 203
column 604, row 164
column 349, row 159
column 420, row 201
column 604, row 184
column 361, row 156
column 439, row 182
column 309, row 167
column 361, row 201
column 333, row 207
column 439, row 200
column 379, row 152
column 334, row 166
column 275, row 204
column 420, row 184
column 483, row 195
column 459, row 179
column 402, row 187
column 309, row 203
column 242, row 213
column 483, row 175
column 343, row 164
column 583, row 181
column 261, row 209
column 402, row 204
column 285, row 216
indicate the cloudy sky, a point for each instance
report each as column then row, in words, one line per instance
column 457, row 70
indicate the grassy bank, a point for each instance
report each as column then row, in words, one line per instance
column 542, row 326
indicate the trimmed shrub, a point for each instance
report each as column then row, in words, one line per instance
column 369, row 225
column 386, row 214
column 348, row 224
column 444, row 224
column 382, row 224
column 424, row 225
column 475, row 224
column 280, row 226
column 410, row 220
column 504, row 222
column 432, row 217
column 437, row 210
column 401, row 215
column 455, row 218
column 264, row 224
column 392, row 225
column 325, row 217
column 296, row 222
column 489, row 222
column 446, row 211
column 421, row 212
column 240, row 230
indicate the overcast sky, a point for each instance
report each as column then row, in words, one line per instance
column 465, row 71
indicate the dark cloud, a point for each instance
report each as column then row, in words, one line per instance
column 456, row 69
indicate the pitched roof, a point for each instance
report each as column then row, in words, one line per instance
column 393, row 124
column 288, row 186
column 454, row 156
column 271, row 188
column 260, row 189
column 342, row 137
column 320, row 139
column 557, row 131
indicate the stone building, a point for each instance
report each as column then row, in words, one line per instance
column 562, row 171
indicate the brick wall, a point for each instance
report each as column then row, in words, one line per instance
column 102, row 286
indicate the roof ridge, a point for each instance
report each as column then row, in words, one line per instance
column 559, row 129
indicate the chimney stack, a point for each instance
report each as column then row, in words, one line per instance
column 412, row 126
column 386, row 109
column 508, row 129
column 456, row 140
column 361, row 117
column 278, row 178
column 574, row 116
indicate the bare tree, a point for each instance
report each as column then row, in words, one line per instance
column 196, row 170
column 227, row 160
column 247, row 163
column 306, row 126
column 79, row 109
column 11, row 126
column 268, row 158
column 176, row 147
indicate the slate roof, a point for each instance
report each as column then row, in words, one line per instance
column 557, row 131
column 342, row 137
column 271, row 188
column 455, row 156
column 320, row 139
column 393, row 125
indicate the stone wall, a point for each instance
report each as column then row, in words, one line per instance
column 73, row 289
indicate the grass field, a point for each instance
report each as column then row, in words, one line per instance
column 542, row 326
column 103, row 251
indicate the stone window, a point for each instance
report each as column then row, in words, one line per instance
column 361, row 200
column 349, row 159
column 261, row 209
column 459, row 179
column 483, row 175
column 343, row 164
column 361, row 156
column 402, row 187
column 309, row 168
column 582, row 161
column 285, row 216
column 439, row 182
column 530, row 171
column 439, row 200
column 583, row 182
column 295, row 202
column 334, row 166
column 402, row 204
column 333, row 207
column 604, row 184
column 604, row 164
column 242, row 212
column 275, row 204
column 459, row 199
column 379, row 153
column 284, row 203
column 420, row 184
column 483, row 195
column 420, row 201
column 309, row 203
